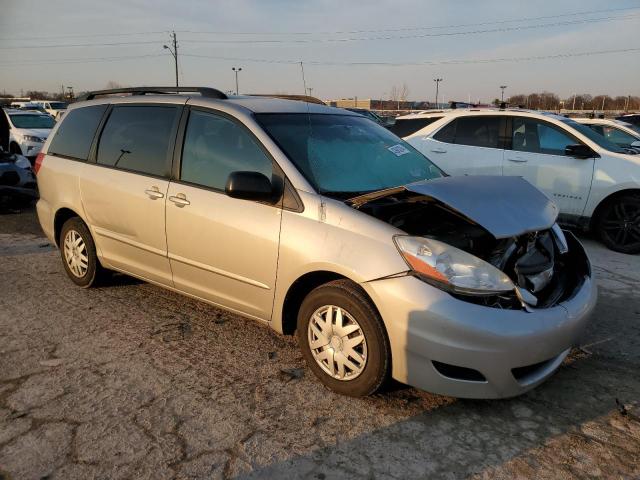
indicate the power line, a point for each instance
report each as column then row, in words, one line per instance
column 337, row 32
column 63, row 61
column 402, row 29
column 113, row 44
column 414, row 36
column 433, row 62
column 347, row 39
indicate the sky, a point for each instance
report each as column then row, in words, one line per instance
column 348, row 48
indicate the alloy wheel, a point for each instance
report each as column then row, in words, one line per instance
column 621, row 224
column 75, row 254
column 337, row 342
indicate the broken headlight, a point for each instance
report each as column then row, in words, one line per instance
column 450, row 268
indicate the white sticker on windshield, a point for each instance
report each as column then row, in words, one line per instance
column 398, row 150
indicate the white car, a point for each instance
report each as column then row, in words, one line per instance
column 623, row 134
column 52, row 107
column 595, row 183
column 24, row 131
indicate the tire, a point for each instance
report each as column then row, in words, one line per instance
column 15, row 148
column 618, row 224
column 371, row 357
column 78, row 252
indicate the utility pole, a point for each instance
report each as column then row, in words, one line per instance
column 604, row 97
column 304, row 80
column 310, row 90
column 437, row 80
column 174, row 52
column 502, row 87
column 236, row 70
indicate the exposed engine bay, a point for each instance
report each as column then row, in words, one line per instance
column 547, row 266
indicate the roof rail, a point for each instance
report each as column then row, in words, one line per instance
column 204, row 91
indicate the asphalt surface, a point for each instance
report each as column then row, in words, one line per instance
column 132, row 381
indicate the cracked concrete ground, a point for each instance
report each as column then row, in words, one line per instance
column 131, row 381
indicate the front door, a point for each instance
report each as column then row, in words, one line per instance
column 124, row 193
column 537, row 155
column 222, row 249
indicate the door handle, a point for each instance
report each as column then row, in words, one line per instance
column 518, row 160
column 154, row 193
column 438, row 150
column 180, row 200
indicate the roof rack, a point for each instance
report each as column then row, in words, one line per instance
column 204, row 91
column 284, row 96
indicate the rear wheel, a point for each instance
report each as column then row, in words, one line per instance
column 343, row 339
column 79, row 253
column 618, row 224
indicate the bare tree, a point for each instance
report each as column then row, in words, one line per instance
column 111, row 85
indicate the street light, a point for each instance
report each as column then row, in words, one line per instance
column 236, row 70
column 174, row 52
column 437, row 80
column 502, row 87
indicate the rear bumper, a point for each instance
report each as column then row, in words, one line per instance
column 512, row 350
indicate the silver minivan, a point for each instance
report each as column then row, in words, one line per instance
column 323, row 224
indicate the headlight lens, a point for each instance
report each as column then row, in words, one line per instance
column 31, row 138
column 450, row 268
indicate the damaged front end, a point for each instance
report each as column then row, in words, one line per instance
column 493, row 241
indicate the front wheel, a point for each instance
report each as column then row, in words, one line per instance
column 343, row 339
column 618, row 224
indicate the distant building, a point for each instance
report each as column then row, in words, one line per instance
column 372, row 104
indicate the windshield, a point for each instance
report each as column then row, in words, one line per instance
column 345, row 156
column 58, row 105
column 32, row 121
column 592, row 135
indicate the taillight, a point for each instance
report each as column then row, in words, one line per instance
column 38, row 163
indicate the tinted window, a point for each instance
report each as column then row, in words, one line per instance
column 408, row 126
column 343, row 156
column 75, row 134
column 137, row 138
column 214, row 147
column 28, row 120
column 538, row 137
column 617, row 136
column 447, row 133
column 478, row 131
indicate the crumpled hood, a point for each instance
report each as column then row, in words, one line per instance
column 504, row 206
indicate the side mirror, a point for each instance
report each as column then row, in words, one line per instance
column 251, row 186
column 579, row 151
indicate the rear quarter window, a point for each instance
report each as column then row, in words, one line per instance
column 75, row 134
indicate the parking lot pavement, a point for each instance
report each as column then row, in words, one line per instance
column 132, row 381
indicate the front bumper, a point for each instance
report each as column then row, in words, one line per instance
column 512, row 350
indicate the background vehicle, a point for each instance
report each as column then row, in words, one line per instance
column 595, row 183
column 632, row 118
column 17, row 182
column 372, row 116
column 24, row 131
column 622, row 134
column 52, row 107
column 319, row 222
